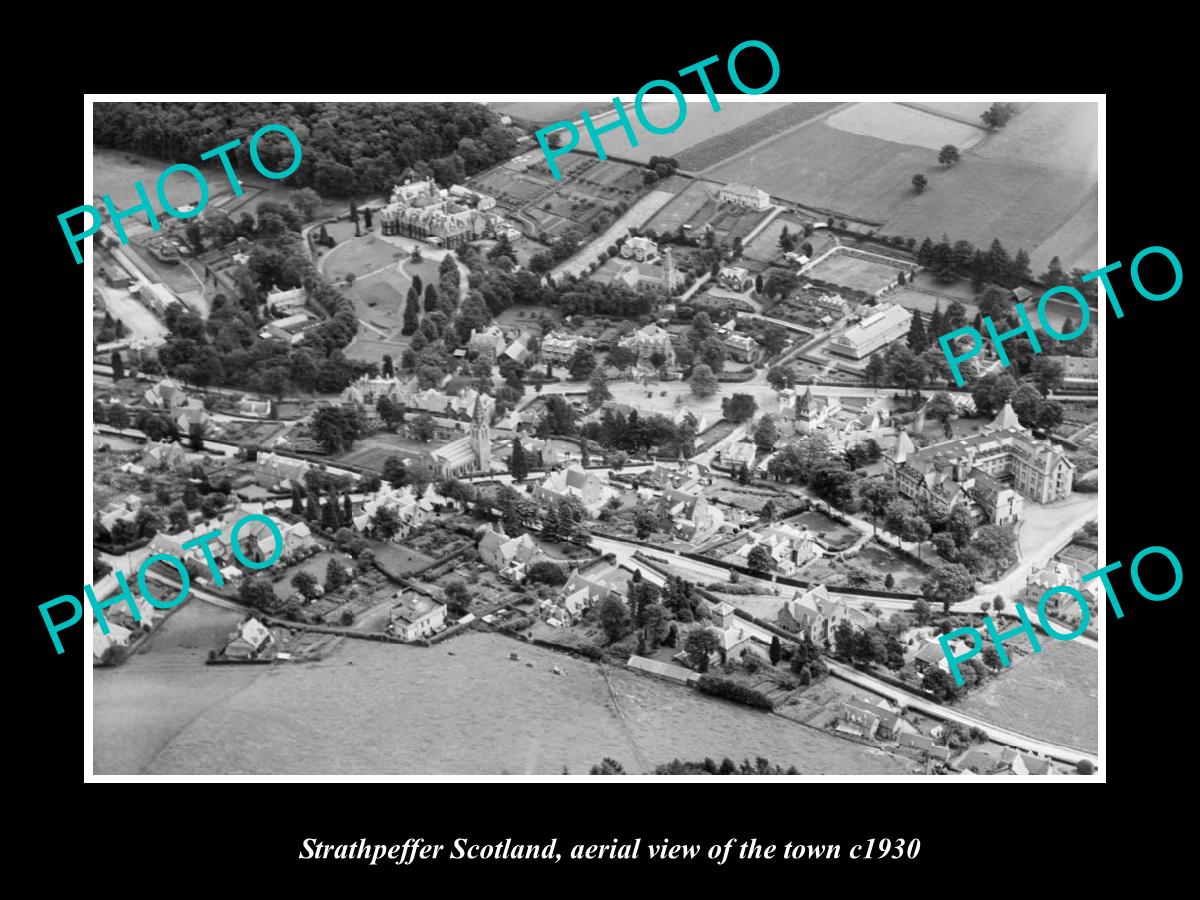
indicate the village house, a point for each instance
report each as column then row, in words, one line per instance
column 414, row 616
column 736, row 455
column 742, row 348
column 1054, row 574
column 789, row 547
column 488, row 342
column 692, row 517
column 639, row 248
column 255, row 409
column 648, row 341
column 833, row 304
column 576, row 482
column 287, row 302
column 289, row 329
column 733, row 640
column 744, row 195
column 250, row 640
column 817, row 615
column 735, row 278
column 932, row 655
column 559, row 346
column 925, row 744
column 508, row 557
column 167, row 394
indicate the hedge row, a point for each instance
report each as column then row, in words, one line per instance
column 731, row 690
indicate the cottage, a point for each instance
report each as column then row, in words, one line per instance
column 415, row 616
column 509, row 557
column 250, row 641
column 578, row 483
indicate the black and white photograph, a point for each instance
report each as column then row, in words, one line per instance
column 708, row 435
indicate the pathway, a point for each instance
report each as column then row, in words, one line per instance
column 634, row 217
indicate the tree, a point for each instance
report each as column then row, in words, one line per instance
column 645, row 522
column 118, row 367
column 385, row 522
column 948, row 155
column 876, row 495
column 699, row 645
column 518, row 465
column 939, row 684
column 306, row 584
column 917, row 340
column 766, row 435
column 948, row 583
column 992, row 392
column 582, row 364
column 760, row 559
column 876, row 369
column 919, row 183
column 997, row 115
column 614, row 618
column 786, row 241
column 335, row 575
column 598, row 390
column 923, row 612
column 703, row 382
column 390, row 412
column 768, row 512
column 432, row 301
column 941, row 408
column 423, row 428
column 1047, row 373
column 739, row 408
column 776, row 651
column 780, row 378
column 996, row 544
column 998, row 603
column 118, row 417
column 456, row 595
column 607, row 767
column 712, row 353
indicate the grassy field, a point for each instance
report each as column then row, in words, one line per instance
column 701, row 125
column 833, row 533
column 905, row 125
column 379, row 298
column 398, row 560
column 1051, row 695
column 314, row 566
column 542, row 113
column 1000, row 189
column 459, row 708
column 360, row 256
column 719, row 148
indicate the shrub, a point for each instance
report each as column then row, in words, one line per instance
column 347, row 617
column 731, row 690
column 1085, row 767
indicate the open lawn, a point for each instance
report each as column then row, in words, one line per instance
column 371, row 452
column 398, row 560
column 314, row 566
column 369, row 348
column 1051, row 695
column 379, row 298
column 360, row 256
column 1000, row 188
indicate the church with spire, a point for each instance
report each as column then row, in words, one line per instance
column 994, row 471
column 470, row 454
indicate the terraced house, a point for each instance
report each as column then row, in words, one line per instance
column 993, row 471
